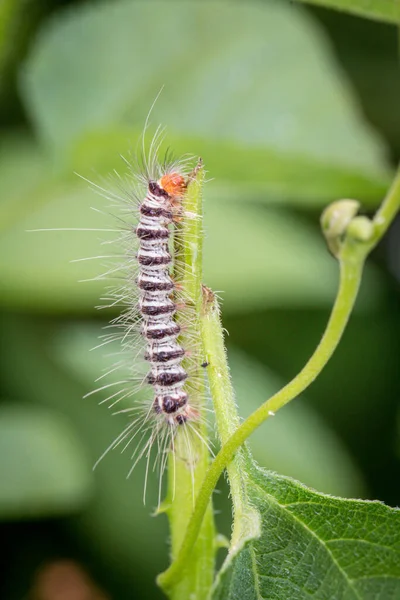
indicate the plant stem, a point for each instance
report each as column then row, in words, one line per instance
column 190, row 459
column 387, row 211
column 353, row 252
column 218, row 371
column 349, row 283
column 246, row 519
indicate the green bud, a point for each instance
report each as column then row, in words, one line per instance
column 361, row 229
column 335, row 220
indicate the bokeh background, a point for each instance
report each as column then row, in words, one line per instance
column 290, row 107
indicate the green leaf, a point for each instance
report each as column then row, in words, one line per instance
column 10, row 12
column 38, row 272
column 14, row 27
column 44, row 469
column 311, row 545
column 23, row 169
column 258, row 74
column 380, row 10
column 240, row 171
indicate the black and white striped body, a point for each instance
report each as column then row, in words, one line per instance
column 157, row 307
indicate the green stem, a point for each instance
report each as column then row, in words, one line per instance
column 387, row 211
column 348, row 288
column 189, row 461
column 218, row 372
column 246, row 519
column 353, row 252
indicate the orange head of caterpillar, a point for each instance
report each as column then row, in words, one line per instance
column 174, row 184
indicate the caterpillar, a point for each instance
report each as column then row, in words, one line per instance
column 150, row 203
column 156, row 307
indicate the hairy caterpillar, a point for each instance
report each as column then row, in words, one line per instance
column 155, row 314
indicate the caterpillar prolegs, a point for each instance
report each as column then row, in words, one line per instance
column 157, row 312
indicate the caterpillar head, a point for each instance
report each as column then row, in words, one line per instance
column 174, row 184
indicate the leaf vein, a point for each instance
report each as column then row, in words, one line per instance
column 255, row 572
column 311, row 532
column 359, row 541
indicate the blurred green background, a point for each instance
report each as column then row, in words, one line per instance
column 290, row 107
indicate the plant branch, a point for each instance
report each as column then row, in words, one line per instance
column 350, row 279
column 354, row 241
column 189, row 461
column 387, row 211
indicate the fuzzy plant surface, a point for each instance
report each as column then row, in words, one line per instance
column 288, row 541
